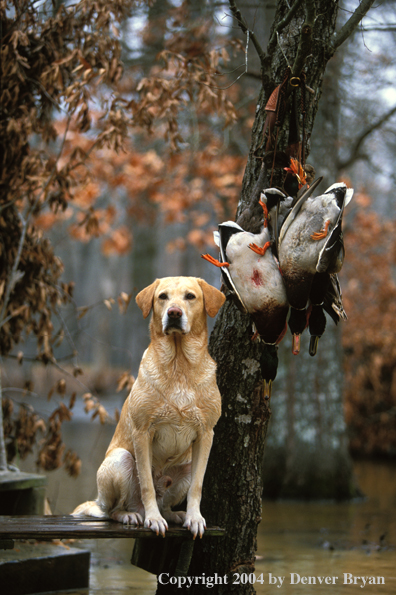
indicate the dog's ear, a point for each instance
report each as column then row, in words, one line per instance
column 145, row 298
column 213, row 298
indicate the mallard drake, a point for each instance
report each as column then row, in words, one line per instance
column 279, row 205
column 251, row 272
column 311, row 250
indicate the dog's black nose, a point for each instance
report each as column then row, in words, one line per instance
column 175, row 312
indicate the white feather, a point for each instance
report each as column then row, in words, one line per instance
column 348, row 196
column 231, row 224
column 334, row 186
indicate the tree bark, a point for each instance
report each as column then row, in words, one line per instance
column 3, row 453
column 306, row 453
column 302, row 39
column 233, row 486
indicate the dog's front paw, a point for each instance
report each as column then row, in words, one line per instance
column 157, row 524
column 175, row 516
column 196, row 523
column 128, row 518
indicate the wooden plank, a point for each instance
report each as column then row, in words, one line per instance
column 22, row 493
column 17, row 480
column 163, row 555
column 67, row 527
column 43, row 567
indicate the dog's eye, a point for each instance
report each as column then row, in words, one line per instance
column 190, row 296
column 163, row 296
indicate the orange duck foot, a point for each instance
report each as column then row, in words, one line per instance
column 319, row 235
column 297, row 170
column 214, row 261
column 265, row 210
column 258, row 249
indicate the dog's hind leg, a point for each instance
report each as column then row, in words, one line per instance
column 118, row 488
column 181, row 479
column 90, row 508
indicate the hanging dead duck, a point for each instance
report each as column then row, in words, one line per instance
column 311, row 243
column 251, row 272
column 279, row 205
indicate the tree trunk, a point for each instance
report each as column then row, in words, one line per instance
column 3, row 452
column 306, row 452
column 233, row 487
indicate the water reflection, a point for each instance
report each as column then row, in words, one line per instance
column 295, row 539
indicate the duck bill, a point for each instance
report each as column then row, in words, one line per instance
column 296, row 344
column 313, row 345
column 267, row 389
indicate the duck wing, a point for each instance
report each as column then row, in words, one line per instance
column 272, row 198
column 331, row 256
column 222, row 237
column 296, row 208
column 332, row 303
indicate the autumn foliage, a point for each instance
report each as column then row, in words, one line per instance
column 70, row 62
column 194, row 187
column 369, row 335
column 71, row 115
column 91, row 142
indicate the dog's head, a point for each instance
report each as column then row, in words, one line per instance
column 179, row 304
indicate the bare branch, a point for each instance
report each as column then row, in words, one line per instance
column 285, row 21
column 375, row 28
column 350, row 26
column 3, row 453
column 242, row 73
column 304, row 46
column 355, row 153
column 15, row 275
column 245, row 29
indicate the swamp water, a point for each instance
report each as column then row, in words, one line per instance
column 301, row 542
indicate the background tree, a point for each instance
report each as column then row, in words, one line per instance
column 304, row 37
column 66, row 59
column 156, row 98
column 370, row 363
column 51, row 59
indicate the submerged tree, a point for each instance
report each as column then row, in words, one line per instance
column 61, row 74
column 303, row 39
column 370, row 396
column 52, row 60
column 59, row 59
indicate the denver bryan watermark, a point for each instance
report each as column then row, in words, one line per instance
column 185, row 582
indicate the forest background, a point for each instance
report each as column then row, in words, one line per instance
column 111, row 207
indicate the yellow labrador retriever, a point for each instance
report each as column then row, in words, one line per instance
column 161, row 444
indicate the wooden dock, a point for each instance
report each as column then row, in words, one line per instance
column 151, row 552
column 69, row 527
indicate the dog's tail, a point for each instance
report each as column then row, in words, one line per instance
column 90, row 508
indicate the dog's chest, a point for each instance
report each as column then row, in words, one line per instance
column 175, row 429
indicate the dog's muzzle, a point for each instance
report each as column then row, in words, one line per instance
column 174, row 320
